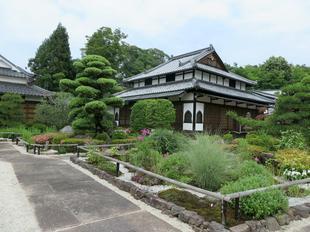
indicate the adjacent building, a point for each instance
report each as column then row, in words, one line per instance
column 14, row 79
column 201, row 89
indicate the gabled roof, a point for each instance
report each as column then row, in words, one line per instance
column 24, row 89
column 185, row 62
column 178, row 87
column 7, row 68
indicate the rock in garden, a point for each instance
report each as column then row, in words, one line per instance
column 302, row 210
column 175, row 210
column 283, row 219
column 67, row 129
column 272, row 224
column 217, row 227
column 240, row 228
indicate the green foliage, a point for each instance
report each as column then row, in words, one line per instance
column 251, row 168
column 126, row 59
column 58, row 137
column 68, row 85
column 176, row 167
column 167, row 141
column 293, row 158
column 292, row 110
column 52, row 61
column 75, row 141
column 296, row 191
column 124, row 141
column 228, row 137
column 263, row 140
column 144, row 156
column 103, row 137
column 11, row 109
column 261, row 204
column 244, row 121
column 54, row 111
column 292, row 139
column 210, row 164
column 119, row 135
column 152, row 113
column 101, row 163
column 93, row 95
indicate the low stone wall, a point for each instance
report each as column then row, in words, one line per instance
column 192, row 218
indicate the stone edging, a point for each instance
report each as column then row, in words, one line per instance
column 197, row 222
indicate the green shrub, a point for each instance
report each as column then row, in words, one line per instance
column 119, row 135
column 292, row 139
column 250, row 168
column 124, row 141
column 11, row 109
column 103, row 137
column 54, row 112
column 261, row 204
column 210, row 164
column 167, row 141
column 263, row 140
column 144, row 156
column 176, row 167
column 228, row 137
column 101, row 163
column 152, row 113
column 75, row 141
column 58, row 137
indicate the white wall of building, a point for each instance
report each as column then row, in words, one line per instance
column 199, row 107
column 187, row 107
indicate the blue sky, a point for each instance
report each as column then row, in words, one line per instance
column 242, row 31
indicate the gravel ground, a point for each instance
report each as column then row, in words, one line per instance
column 297, row 226
column 16, row 213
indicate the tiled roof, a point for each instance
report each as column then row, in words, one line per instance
column 178, row 87
column 12, row 73
column 184, row 62
column 14, row 70
column 23, row 89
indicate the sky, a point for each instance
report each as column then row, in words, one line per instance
column 241, row 31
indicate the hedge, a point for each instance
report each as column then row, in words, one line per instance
column 152, row 113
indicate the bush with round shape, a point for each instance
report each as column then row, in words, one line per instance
column 228, row 137
column 103, row 137
column 119, row 135
column 250, row 168
column 86, row 91
column 152, row 113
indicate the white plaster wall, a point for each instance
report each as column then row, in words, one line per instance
column 218, row 101
column 226, row 82
column 188, row 97
column 242, row 86
column 188, row 76
column 187, row 107
column 220, row 80
column 206, row 76
column 13, row 80
column 179, row 77
column 141, row 83
column 136, row 84
column 154, row 81
column 237, row 84
column 204, row 98
column 213, row 78
column 198, row 74
column 162, row 80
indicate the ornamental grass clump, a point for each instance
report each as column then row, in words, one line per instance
column 210, row 164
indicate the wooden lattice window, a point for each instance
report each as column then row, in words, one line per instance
column 188, row 117
column 199, row 117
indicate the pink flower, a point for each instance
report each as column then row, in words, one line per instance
column 145, row 132
column 140, row 138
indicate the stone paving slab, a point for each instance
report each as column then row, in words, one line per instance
column 64, row 197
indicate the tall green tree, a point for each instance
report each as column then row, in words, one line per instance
column 292, row 109
column 93, row 88
column 52, row 61
column 126, row 59
column 275, row 73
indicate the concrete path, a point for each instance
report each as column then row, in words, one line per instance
column 52, row 195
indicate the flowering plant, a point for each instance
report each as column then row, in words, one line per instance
column 294, row 174
column 42, row 139
column 145, row 132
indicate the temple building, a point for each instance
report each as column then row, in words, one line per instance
column 14, row 79
column 201, row 89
